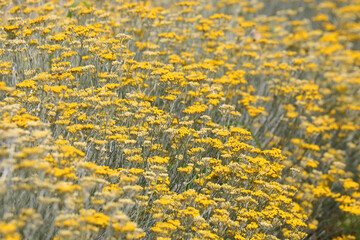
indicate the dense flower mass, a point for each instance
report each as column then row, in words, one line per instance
column 168, row 119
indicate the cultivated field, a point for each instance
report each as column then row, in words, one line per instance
column 165, row 119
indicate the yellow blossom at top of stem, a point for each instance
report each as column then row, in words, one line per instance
column 195, row 109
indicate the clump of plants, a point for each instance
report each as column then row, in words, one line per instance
column 127, row 119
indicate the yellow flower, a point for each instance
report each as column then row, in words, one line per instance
column 128, row 227
column 7, row 228
column 187, row 170
column 350, row 185
column 27, row 84
column 55, row 89
column 196, row 76
column 190, row 211
column 64, row 187
column 109, row 56
column 252, row 226
column 98, row 219
column 169, row 97
column 312, row 163
column 59, row 37
column 158, row 160
column 81, row 31
column 195, row 109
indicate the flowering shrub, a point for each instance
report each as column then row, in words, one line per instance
column 127, row 119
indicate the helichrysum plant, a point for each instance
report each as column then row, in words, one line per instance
column 126, row 119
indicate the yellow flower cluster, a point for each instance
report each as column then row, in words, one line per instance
column 179, row 120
